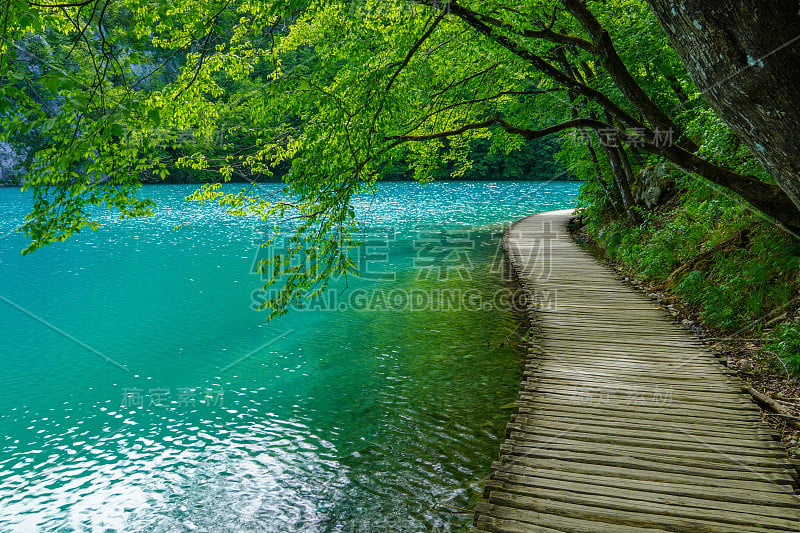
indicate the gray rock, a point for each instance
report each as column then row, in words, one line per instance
column 651, row 184
column 11, row 163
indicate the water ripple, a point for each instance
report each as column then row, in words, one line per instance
column 356, row 421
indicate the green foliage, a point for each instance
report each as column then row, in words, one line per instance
column 315, row 92
column 534, row 160
column 785, row 342
column 331, row 97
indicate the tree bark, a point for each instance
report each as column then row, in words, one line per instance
column 626, row 167
column 743, row 56
column 613, row 195
column 621, row 179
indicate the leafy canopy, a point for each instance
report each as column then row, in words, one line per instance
column 330, row 93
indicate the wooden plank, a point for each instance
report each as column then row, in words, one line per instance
column 625, row 424
column 584, row 379
column 657, row 330
column 572, row 525
column 603, row 363
column 524, row 509
column 612, row 361
column 707, row 409
column 709, row 459
column 641, row 460
column 757, row 448
column 640, row 393
column 570, row 467
column 735, row 495
column 691, row 408
column 528, row 485
column 636, row 412
column 676, row 433
column 587, row 349
column 659, row 505
column 606, row 379
column 620, row 363
column 597, row 338
column 672, row 425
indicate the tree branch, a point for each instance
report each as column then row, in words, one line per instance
column 473, row 19
column 547, row 34
column 421, row 120
column 496, row 120
column 414, row 48
column 70, row 4
column 604, row 48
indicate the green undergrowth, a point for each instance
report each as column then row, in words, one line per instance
column 737, row 270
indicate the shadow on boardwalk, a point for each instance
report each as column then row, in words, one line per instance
column 624, row 422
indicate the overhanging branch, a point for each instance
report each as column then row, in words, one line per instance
column 473, row 20
column 546, row 34
column 496, row 120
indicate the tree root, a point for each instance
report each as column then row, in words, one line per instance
column 763, row 399
column 738, row 240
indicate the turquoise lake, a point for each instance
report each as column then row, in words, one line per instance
column 142, row 392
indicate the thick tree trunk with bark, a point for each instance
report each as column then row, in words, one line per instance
column 743, row 56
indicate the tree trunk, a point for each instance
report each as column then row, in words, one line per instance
column 743, row 57
column 626, row 166
column 622, row 182
column 613, row 195
column 766, row 197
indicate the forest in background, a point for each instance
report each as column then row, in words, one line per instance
column 687, row 156
column 232, row 134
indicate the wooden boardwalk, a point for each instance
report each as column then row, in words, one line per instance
column 624, row 422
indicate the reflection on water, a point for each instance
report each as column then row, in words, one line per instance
column 142, row 393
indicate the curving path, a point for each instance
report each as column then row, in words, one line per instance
column 624, row 422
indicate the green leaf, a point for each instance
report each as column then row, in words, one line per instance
column 116, row 129
column 78, row 103
column 48, row 125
